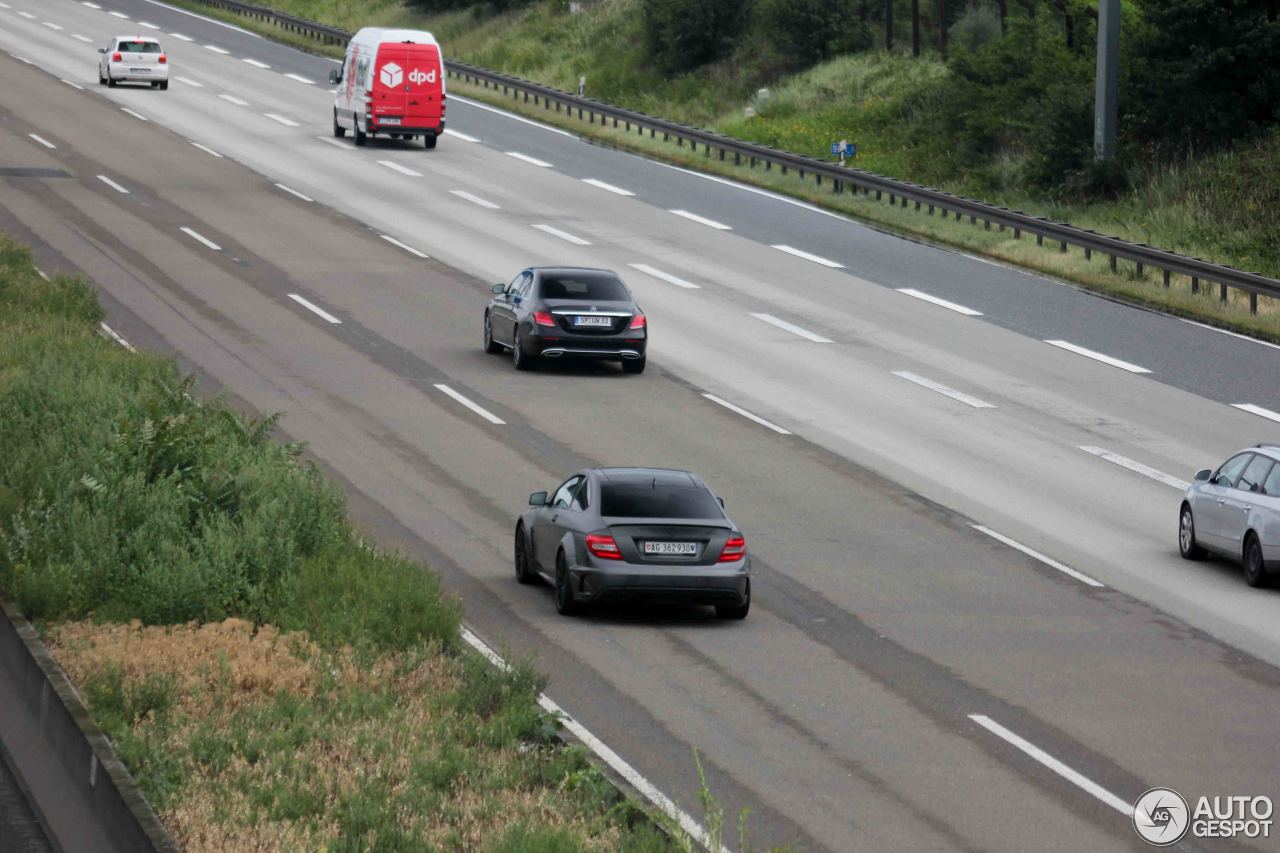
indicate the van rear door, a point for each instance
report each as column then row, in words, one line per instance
column 424, row 78
column 389, row 86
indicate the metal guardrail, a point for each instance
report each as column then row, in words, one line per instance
column 839, row 178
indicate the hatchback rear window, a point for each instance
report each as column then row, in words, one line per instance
column 138, row 47
column 593, row 287
column 649, row 501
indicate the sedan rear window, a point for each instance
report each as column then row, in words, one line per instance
column 138, row 47
column 657, row 501
column 592, row 287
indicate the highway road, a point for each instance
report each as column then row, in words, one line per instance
column 909, row 678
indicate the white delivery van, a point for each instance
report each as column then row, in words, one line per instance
column 391, row 82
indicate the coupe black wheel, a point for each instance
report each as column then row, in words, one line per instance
column 565, row 605
column 338, row 130
column 634, row 365
column 490, row 345
column 1255, row 571
column 1187, row 536
column 524, row 572
column 736, row 611
column 521, row 359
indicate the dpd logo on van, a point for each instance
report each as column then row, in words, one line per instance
column 420, row 77
column 391, row 74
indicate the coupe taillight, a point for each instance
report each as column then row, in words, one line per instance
column 734, row 549
column 544, row 318
column 115, row 57
column 638, row 322
column 603, row 546
column 162, row 59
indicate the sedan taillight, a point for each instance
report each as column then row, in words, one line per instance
column 162, row 59
column 115, row 57
column 734, row 549
column 544, row 318
column 638, row 322
column 603, row 546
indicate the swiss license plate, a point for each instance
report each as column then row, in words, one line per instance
column 593, row 321
column 686, row 549
column 388, row 121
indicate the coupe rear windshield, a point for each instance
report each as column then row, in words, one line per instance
column 139, row 47
column 593, row 287
column 649, row 501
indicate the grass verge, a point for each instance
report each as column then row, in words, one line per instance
column 1215, row 207
column 270, row 681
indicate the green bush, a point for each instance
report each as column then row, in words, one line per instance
column 684, row 34
column 808, row 31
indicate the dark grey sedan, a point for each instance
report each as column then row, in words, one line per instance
column 566, row 312
column 634, row 534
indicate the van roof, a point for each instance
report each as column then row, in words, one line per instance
column 383, row 35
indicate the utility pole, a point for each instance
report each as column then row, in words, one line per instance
column 1106, row 93
column 888, row 24
column 915, row 27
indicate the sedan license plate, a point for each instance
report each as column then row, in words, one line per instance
column 593, row 321
column 388, row 121
column 683, row 549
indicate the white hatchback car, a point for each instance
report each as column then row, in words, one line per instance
column 137, row 59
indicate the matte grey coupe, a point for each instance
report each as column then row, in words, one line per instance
column 634, row 534
column 1235, row 512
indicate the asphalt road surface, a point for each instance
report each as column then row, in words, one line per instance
column 906, row 680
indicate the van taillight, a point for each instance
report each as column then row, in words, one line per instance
column 115, row 57
column 162, row 59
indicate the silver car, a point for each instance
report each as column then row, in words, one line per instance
column 136, row 59
column 1235, row 512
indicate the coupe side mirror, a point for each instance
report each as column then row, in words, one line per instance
column 335, row 76
column 498, row 288
column 721, row 502
column 1203, row 475
column 538, row 499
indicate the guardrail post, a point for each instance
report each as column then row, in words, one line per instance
column 721, row 153
column 1064, row 246
column 1113, row 263
column 1195, row 284
column 1253, row 303
column 1139, row 269
column 1040, row 240
column 737, row 159
column 986, row 225
column 931, row 210
column 1017, row 233
column 1088, row 253
column 917, row 204
column 1166, row 277
column 1222, row 294
column 877, row 195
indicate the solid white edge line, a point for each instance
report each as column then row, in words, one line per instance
column 1097, row 356
column 316, row 309
column 601, row 750
column 800, row 253
column 255, row 63
column 301, row 79
column 1257, row 410
column 928, row 297
column 1077, row 779
column 138, row 116
column 113, row 184
column 195, row 235
column 1031, row 552
column 1228, row 332
column 792, row 328
column 748, row 415
column 482, row 412
column 475, row 199
column 206, row 149
column 457, row 135
column 287, row 122
column 667, row 277
column 702, row 220
column 292, row 191
column 513, row 116
column 116, row 337
column 203, row 18
column 393, row 241
column 396, row 167
column 563, row 235
column 607, row 187
column 938, row 387
column 232, row 99
column 1136, row 467
column 42, row 274
column 46, row 143
column 526, row 158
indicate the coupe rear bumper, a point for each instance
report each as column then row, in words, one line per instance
column 686, row 584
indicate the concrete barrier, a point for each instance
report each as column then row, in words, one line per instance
column 82, row 792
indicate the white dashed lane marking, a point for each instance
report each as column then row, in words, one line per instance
column 1137, row 467
column 1097, row 356
column 792, row 328
column 315, row 309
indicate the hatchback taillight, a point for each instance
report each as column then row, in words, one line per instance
column 544, row 318
column 115, row 57
column 603, row 546
column 734, row 549
column 638, row 322
column 162, row 59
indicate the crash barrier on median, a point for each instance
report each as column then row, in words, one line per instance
column 839, row 178
column 81, row 792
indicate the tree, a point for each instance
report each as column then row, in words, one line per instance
column 684, row 34
column 809, row 31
